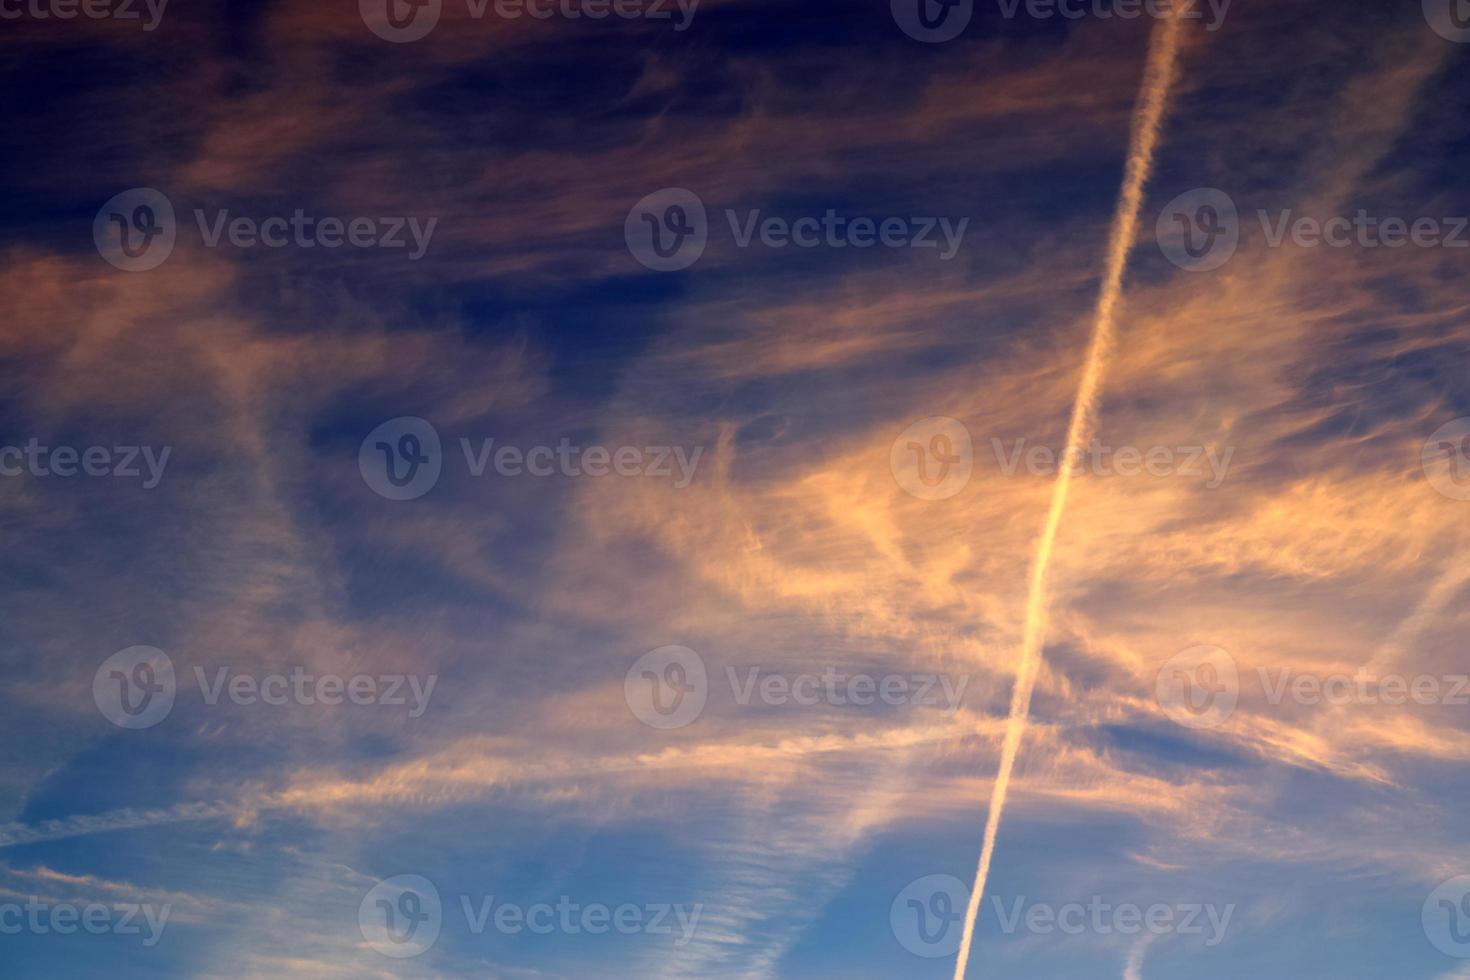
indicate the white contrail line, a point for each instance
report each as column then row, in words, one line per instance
column 1133, row 969
column 16, row 834
column 1444, row 588
column 1148, row 117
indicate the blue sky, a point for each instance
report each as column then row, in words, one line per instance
column 593, row 469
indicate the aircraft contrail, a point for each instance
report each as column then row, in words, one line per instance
column 1148, row 117
column 1133, row 969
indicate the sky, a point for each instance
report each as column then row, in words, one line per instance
column 550, row 488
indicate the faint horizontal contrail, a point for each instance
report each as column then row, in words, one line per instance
column 1147, row 118
column 15, row 834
